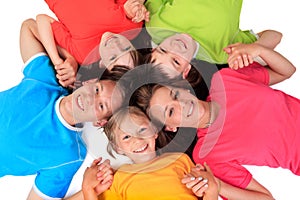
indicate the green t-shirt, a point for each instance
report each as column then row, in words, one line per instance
column 214, row 24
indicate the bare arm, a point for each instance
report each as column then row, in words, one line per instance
column 269, row 38
column 279, row 67
column 253, row 191
column 65, row 64
column 216, row 187
column 29, row 42
column 46, row 37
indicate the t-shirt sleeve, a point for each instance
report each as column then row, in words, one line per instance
column 54, row 182
column 256, row 72
column 232, row 173
column 40, row 68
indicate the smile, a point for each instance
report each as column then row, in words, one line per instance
column 141, row 149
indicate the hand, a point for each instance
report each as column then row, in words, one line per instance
column 202, row 181
column 136, row 11
column 105, row 176
column 66, row 72
column 241, row 55
column 98, row 177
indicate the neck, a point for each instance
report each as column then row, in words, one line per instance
column 211, row 112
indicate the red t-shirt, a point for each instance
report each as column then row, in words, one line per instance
column 257, row 125
column 82, row 23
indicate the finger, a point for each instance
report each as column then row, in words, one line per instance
column 63, row 77
column 69, row 82
column 245, row 60
column 200, row 188
column 240, row 62
column 106, row 163
column 227, row 50
column 147, row 16
column 250, row 59
column 194, row 182
column 233, row 45
column 107, row 179
column 207, row 167
column 199, row 167
column 187, row 179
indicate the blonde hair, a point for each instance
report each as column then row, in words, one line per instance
column 113, row 125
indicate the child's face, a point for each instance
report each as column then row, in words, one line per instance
column 176, row 107
column 175, row 53
column 114, row 50
column 94, row 102
column 136, row 139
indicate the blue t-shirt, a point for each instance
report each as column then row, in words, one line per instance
column 34, row 138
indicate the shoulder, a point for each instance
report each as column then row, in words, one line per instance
column 36, row 59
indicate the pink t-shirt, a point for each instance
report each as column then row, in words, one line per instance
column 257, row 125
column 82, row 23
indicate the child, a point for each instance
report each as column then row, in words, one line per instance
column 152, row 176
column 42, row 123
column 80, row 27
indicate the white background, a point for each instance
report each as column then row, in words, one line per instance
column 256, row 14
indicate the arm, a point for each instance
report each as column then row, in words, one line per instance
column 96, row 179
column 279, row 67
column 64, row 63
column 269, row 38
column 46, row 37
column 253, row 191
column 29, row 42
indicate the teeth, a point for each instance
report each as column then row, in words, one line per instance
column 141, row 149
column 191, row 109
column 80, row 103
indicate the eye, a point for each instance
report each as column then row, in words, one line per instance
column 127, row 48
column 142, row 130
column 126, row 137
column 171, row 112
column 176, row 61
column 101, row 106
column 175, row 95
column 162, row 50
column 97, row 90
column 112, row 58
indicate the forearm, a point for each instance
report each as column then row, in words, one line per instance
column 233, row 193
column 280, row 67
column 89, row 194
column 47, row 38
column 269, row 38
column 29, row 42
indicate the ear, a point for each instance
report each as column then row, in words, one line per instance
column 120, row 151
column 186, row 71
column 168, row 128
column 100, row 123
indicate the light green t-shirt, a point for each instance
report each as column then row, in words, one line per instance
column 214, row 24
